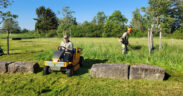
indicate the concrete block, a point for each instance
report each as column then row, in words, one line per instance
column 146, row 72
column 119, row 71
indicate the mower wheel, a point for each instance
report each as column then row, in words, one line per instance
column 69, row 72
column 46, row 70
column 63, row 72
column 81, row 61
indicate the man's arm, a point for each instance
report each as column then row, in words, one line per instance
column 62, row 43
column 70, row 47
column 124, row 35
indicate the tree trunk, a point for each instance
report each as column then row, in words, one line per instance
column 157, row 21
column 70, row 34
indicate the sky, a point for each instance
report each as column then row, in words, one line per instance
column 84, row 9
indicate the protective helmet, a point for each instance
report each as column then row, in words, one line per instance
column 130, row 29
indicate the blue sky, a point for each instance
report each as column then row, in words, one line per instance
column 84, row 9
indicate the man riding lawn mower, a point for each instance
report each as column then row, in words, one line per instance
column 66, row 59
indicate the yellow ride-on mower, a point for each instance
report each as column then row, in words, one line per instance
column 59, row 63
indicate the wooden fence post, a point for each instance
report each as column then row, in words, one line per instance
column 149, row 42
column 8, row 42
column 151, row 38
column 160, row 42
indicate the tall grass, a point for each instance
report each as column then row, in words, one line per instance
column 28, row 35
column 95, row 50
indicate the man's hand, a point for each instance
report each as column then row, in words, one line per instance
column 120, row 39
column 66, row 49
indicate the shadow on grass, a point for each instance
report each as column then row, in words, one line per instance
column 40, row 69
column 26, row 41
column 84, row 69
column 167, row 76
column 23, row 52
column 13, row 53
column 45, row 90
column 88, row 64
column 136, row 47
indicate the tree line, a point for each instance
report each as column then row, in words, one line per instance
column 166, row 15
column 100, row 26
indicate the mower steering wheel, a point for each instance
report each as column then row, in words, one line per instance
column 61, row 47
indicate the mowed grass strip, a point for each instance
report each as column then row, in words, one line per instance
column 95, row 50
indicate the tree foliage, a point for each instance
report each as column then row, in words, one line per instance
column 100, row 18
column 176, row 12
column 115, row 24
column 11, row 25
column 138, row 21
column 25, row 30
column 167, row 13
column 46, row 20
column 67, row 21
column 5, row 15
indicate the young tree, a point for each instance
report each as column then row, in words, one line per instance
column 46, row 20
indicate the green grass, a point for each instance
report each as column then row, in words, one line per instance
column 95, row 50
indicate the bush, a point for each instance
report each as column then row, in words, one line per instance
column 51, row 33
column 25, row 30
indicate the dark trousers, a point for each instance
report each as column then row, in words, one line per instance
column 68, row 57
column 1, row 52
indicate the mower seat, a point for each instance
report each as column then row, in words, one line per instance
column 74, row 50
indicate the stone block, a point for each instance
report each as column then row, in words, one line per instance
column 4, row 66
column 146, row 72
column 119, row 71
column 23, row 67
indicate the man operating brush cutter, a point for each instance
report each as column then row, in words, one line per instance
column 124, row 40
column 1, row 51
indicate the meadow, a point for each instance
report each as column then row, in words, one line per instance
column 95, row 50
